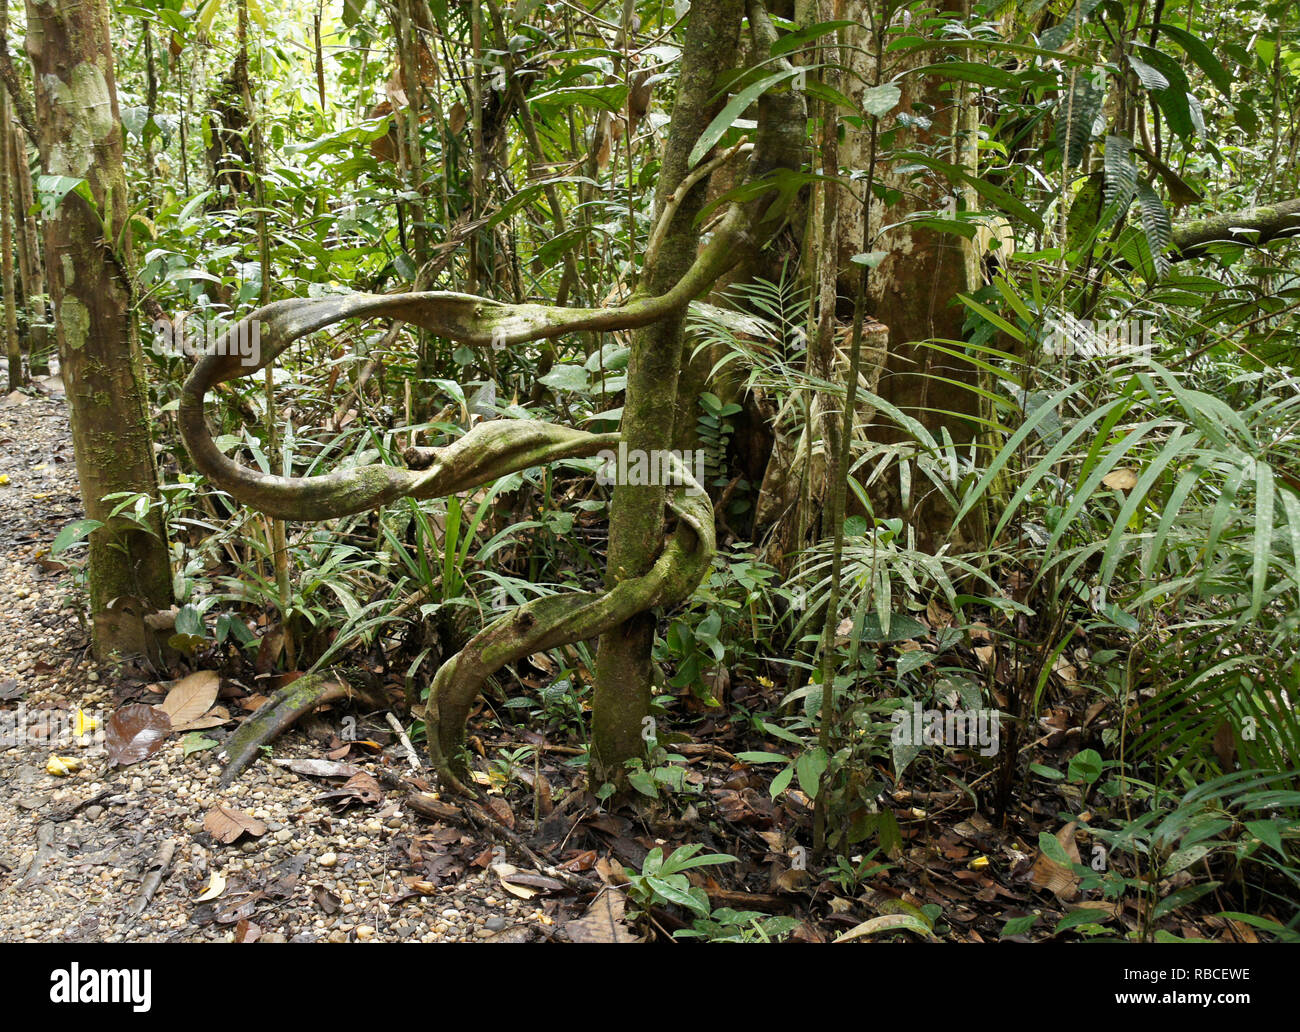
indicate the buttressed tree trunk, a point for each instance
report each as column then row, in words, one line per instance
column 913, row 291
column 129, row 571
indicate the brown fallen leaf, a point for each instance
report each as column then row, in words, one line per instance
column 134, row 732
column 1106, row 910
column 365, row 788
column 246, row 931
column 238, row 909
column 427, row 806
column 226, row 825
column 532, row 880
column 500, row 809
column 326, row 900
column 603, row 921
column 360, row 788
column 191, row 697
column 1046, row 873
column 215, row 717
column 504, row 873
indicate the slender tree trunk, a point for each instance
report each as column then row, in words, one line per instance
column 33, row 267
column 623, row 672
column 12, row 348
column 81, row 136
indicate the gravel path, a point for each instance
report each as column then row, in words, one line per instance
column 76, row 850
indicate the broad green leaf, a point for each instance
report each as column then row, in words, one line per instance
column 733, row 109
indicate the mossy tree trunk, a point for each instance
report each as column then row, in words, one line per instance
column 623, row 666
column 81, row 137
column 913, row 291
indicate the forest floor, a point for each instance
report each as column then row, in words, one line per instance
column 76, row 850
column 332, row 837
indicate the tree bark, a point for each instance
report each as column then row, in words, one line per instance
column 129, row 572
column 621, row 698
column 1254, row 227
column 31, row 268
column 16, row 377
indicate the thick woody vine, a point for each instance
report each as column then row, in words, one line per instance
column 488, row 451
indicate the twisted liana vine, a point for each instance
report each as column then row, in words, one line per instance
column 495, row 448
column 490, row 450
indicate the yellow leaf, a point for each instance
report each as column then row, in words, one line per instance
column 216, row 886
column 62, row 766
column 83, row 724
column 979, row 863
column 4, row 479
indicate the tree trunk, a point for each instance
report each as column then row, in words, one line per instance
column 621, row 699
column 31, row 261
column 913, row 291
column 12, row 348
column 129, row 571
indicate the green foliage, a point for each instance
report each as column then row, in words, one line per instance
column 662, row 881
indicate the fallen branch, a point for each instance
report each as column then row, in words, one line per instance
column 279, row 713
column 154, row 876
column 413, row 761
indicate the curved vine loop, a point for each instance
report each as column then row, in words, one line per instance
column 490, row 450
column 495, row 448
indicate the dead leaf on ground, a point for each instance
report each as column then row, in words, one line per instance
column 246, row 931
column 500, row 810
column 887, row 923
column 603, row 921
column 360, row 788
column 1048, row 874
column 134, row 732
column 365, row 788
column 326, row 900
column 191, row 697
column 226, row 825
column 504, row 873
column 216, row 886
column 238, row 909
column 1106, row 910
